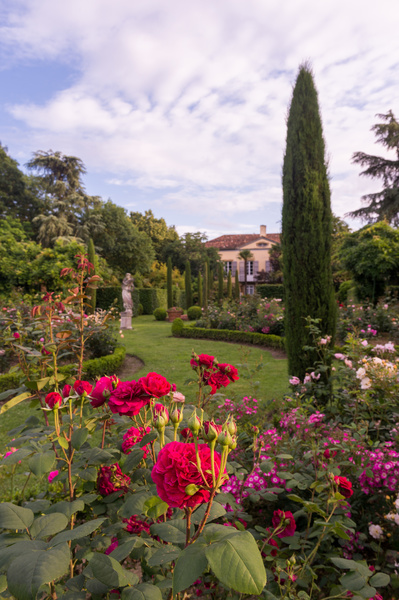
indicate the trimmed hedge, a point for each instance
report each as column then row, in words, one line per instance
column 112, row 296
column 95, row 367
column 270, row 290
column 226, row 335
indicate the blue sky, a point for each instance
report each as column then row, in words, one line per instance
column 181, row 106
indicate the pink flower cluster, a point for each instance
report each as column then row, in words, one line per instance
column 295, row 419
column 133, row 436
column 248, row 406
column 384, row 466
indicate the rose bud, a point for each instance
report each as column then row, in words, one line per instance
column 210, row 431
column 160, row 416
column 176, row 416
column 53, row 400
column 194, row 423
column 231, row 426
column 224, row 439
column 82, row 388
column 66, row 390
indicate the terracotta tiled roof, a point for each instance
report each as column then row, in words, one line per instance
column 237, row 241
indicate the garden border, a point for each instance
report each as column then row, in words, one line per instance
column 227, row 335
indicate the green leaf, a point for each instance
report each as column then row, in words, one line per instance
column 29, row 571
column 237, row 563
column 14, row 402
column 78, row 532
column 173, row 531
column 108, row 571
column 79, row 437
column 15, row 457
column 143, row 591
column 8, row 553
column 67, row 508
column 98, row 456
column 134, row 458
column 216, row 511
column 266, row 466
column 154, row 507
column 149, row 437
column 38, row 506
column 124, row 549
column 3, row 583
column 380, row 580
column 134, row 505
column 41, row 463
column 164, row 555
column 62, row 442
column 353, row 581
column 190, row 565
column 15, row 517
column 47, row 525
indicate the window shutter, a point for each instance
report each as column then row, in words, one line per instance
column 241, row 268
column 268, row 266
column 234, row 269
column 256, row 267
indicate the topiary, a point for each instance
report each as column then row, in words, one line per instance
column 160, row 313
column 140, row 309
column 177, row 327
column 194, row 313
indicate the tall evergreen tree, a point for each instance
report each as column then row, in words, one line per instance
column 188, row 286
column 200, row 290
column 236, row 287
column 306, row 226
column 220, row 284
column 206, row 287
column 169, row 282
column 93, row 260
column 229, row 286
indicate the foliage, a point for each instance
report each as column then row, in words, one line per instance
column 371, row 254
column 191, row 246
column 200, row 290
column 270, row 290
column 220, row 284
column 169, row 283
column 188, row 285
column 306, row 225
column 367, row 321
column 177, row 327
column 236, row 293
column 226, row 335
column 93, row 260
column 194, row 312
column 156, row 229
column 229, row 287
column 383, row 205
column 160, row 314
column 101, row 343
column 151, row 298
column 16, row 254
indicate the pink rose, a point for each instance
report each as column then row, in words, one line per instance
column 81, row 387
column 128, row 398
column 102, row 390
column 286, row 520
column 155, row 385
column 178, row 397
column 111, row 479
column 133, row 436
column 52, row 475
column 16, row 335
column 176, row 468
column 53, row 399
column 114, row 544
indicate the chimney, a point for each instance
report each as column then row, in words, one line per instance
column 263, row 230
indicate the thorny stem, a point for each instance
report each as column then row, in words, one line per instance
column 188, row 512
column 204, row 520
column 103, row 435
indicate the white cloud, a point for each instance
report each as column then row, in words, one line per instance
column 190, row 98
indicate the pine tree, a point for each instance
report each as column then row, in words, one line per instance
column 200, row 290
column 306, row 226
column 236, row 287
column 188, row 286
column 220, row 284
column 169, row 282
column 93, row 260
column 229, row 287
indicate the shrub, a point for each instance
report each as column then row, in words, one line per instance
column 140, row 309
column 160, row 314
column 177, row 327
column 194, row 313
column 225, row 335
column 344, row 290
column 270, row 290
column 101, row 343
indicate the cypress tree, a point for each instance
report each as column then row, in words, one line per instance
column 169, row 282
column 209, row 284
column 200, row 290
column 189, row 289
column 229, row 287
column 306, row 226
column 220, row 284
column 206, row 287
column 93, row 260
column 236, row 287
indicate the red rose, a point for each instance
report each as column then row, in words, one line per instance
column 176, row 468
column 128, row 398
column 66, row 390
column 133, row 436
column 155, row 385
column 229, row 370
column 111, row 479
column 286, row 520
column 16, row 335
column 81, row 387
column 216, row 380
column 53, row 399
column 136, row 525
column 204, row 360
column 345, row 486
column 186, row 433
column 102, row 390
column 114, row 544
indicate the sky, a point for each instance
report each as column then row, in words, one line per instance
column 180, row 106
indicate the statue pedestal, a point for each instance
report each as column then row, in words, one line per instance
column 126, row 319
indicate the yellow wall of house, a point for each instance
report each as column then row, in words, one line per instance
column 261, row 254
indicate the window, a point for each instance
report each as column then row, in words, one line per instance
column 250, row 267
column 262, row 245
column 250, row 289
column 228, row 266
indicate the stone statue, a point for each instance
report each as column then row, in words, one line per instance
column 127, row 289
